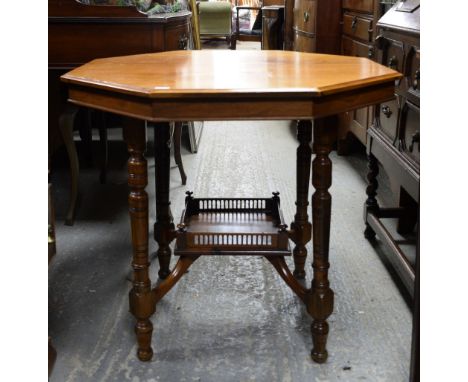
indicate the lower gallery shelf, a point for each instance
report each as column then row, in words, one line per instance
column 232, row 226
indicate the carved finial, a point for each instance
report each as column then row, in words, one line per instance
column 282, row 227
column 189, row 196
column 182, row 227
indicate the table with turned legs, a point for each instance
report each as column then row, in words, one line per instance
column 231, row 85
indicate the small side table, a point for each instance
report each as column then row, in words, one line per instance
column 199, row 86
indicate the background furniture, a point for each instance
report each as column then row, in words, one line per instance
column 216, row 21
column 79, row 33
column 359, row 18
column 254, row 31
column 313, row 26
column 393, row 140
column 273, row 27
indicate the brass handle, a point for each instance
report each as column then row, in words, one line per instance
column 416, row 79
column 386, row 111
column 354, row 23
column 414, row 139
column 183, row 42
column 392, row 63
column 306, row 16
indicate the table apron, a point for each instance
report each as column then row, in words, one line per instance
column 275, row 107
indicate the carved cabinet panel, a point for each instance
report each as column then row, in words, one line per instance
column 358, row 32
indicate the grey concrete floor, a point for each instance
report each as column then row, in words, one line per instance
column 229, row 318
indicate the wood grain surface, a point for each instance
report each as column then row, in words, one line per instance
column 220, row 72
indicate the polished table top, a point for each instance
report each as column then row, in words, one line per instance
column 224, row 72
column 230, row 85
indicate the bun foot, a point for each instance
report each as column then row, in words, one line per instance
column 145, row 355
column 319, row 357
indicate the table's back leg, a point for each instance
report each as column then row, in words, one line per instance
column 320, row 296
column 164, row 230
column 301, row 227
column 142, row 303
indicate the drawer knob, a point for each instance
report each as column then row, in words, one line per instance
column 354, row 23
column 370, row 53
column 306, row 16
column 386, row 111
column 393, row 62
column 414, row 139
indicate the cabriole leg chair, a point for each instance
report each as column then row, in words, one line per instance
column 216, row 21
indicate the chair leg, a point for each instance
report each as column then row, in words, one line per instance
column 85, row 129
column 66, row 130
column 232, row 41
column 177, row 155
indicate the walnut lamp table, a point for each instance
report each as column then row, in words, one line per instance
column 231, row 85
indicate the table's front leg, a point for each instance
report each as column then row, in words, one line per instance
column 142, row 304
column 164, row 230
column 301, row 227
column 320, row 297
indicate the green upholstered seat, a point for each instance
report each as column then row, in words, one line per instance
column 215, row 18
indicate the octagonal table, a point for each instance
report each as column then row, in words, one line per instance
column 231, row 85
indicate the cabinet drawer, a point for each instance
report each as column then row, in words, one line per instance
column 359, row 5
column 350, row 47
column 388, row 118
column 177, row 37
column 357, row 27
column 303, row 42
column 392, row 53
column 304, row 15
column 409, row 131
column 363, row 50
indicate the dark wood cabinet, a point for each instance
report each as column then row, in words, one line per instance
column 79, row 33
column 393, row 138
column 272, row 27
column 358, row 34
column 313, row 26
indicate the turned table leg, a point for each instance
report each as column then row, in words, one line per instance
column 164, row 229
column 301, row 227
column 142, row 304
column 320, row 297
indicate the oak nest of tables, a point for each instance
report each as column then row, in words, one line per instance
column 231, row 85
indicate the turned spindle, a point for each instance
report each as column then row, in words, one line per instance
column 320, row 296
column 164, row 230
column 301, row 227
column 371, row 192
column 141, row 297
